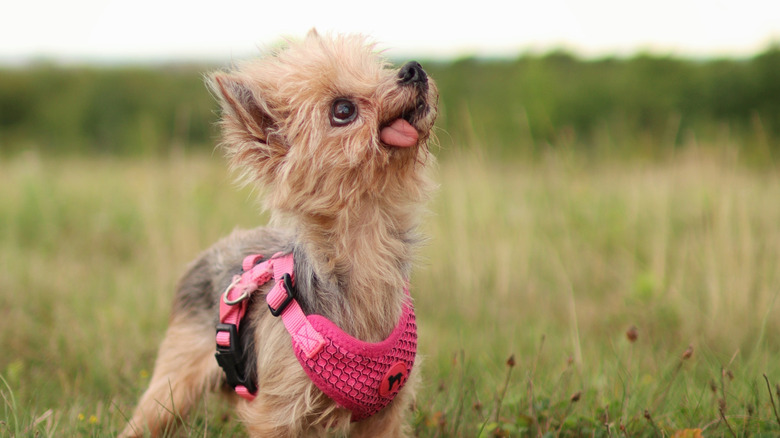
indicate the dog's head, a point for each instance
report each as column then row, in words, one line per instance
column 324, row 122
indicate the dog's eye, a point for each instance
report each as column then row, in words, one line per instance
column 342, row 112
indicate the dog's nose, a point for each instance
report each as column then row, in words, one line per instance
column 412, row 73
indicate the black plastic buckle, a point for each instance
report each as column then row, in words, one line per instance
column 230, row 359
column 289, row 290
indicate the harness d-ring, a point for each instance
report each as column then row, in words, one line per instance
column 240, row 298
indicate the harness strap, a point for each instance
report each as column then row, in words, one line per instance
column 233, row 304
column 282, row 303
column 232, row 308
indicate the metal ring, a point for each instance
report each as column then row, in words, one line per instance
column 241, row 298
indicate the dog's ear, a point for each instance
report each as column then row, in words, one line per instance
column 313, row 34
column 243, row 113
column 250, row 132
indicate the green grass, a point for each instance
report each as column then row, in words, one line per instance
column 550, row 261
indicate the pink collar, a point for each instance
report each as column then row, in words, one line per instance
column 360, row 376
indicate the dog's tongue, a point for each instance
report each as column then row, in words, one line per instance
column 399, row 133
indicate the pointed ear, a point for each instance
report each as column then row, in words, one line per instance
column 313, row 34
column 242, row 112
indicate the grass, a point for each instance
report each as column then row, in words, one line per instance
column 562, row 297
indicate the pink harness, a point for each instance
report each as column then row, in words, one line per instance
column 360, row 376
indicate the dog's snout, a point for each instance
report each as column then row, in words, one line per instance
column 412, row 73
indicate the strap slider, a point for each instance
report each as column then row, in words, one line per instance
column 289, row 291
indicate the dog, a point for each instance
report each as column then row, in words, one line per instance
column 338, row 141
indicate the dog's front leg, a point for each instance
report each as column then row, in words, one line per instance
column 185, row 367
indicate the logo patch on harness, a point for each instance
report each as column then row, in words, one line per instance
column 394, row 379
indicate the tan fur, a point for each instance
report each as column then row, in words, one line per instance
column 175, row 385
column 346, row 204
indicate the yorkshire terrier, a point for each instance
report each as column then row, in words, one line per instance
column 338, row 139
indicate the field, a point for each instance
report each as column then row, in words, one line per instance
column 559, row 296
column 604, row 256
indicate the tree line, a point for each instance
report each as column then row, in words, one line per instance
column 531, row 102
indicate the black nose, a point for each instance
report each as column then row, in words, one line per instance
column 412, row 73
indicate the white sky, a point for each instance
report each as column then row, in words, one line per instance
column 158, row 30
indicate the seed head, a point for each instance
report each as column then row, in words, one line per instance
column 576, row 397
column 511, row 361
column 632, row 334
column 688, row 353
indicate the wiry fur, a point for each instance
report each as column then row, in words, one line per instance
column 346, row 204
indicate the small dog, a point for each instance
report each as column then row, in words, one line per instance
column 338, row 140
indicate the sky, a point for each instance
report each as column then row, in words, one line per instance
column 108, row 31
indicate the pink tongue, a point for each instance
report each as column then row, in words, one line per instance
column 399, row 133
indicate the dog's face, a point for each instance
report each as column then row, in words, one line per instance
column 325, row 122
